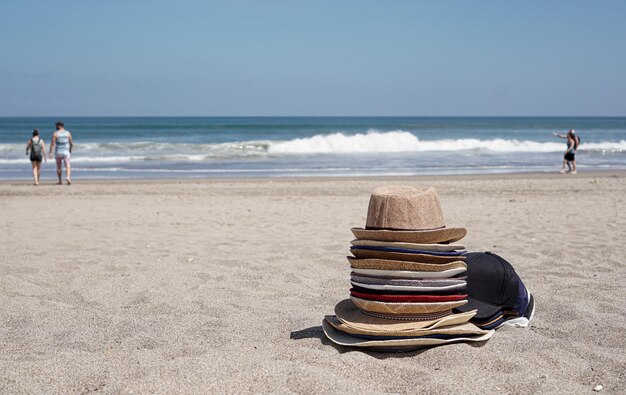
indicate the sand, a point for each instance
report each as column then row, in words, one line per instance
column 221, row 286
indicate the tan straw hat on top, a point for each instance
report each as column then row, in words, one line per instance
column 406, row 214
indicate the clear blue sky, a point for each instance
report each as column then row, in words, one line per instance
column 61, row 58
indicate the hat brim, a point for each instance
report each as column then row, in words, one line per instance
column 410, row 282
column 394, row 308
column 412, row 246
column 349, row 314
column 395, row 345
column 411, row 298
column 379, row 287
column 408, row 274
column 456, row 329
column 443, row 235
column 404, row 256
column 484, row 310
column 391, row 264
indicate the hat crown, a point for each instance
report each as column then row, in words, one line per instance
column 404, row 208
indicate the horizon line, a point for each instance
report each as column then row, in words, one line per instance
column 312, row 116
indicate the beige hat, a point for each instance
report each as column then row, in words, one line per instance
column 388, row 264
column 407, row 274
column 406, row 214
column 402, row 256
column 459, row 329
column 352, row 316
column 408, row 344
column 408, row 246
column 394, row 308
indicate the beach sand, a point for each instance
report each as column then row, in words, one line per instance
column 221, row 286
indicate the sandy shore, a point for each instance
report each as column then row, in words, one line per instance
column 221, row 286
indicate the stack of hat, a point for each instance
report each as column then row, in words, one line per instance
column 408, row 278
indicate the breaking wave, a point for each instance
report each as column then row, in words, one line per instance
column 337, row 143
column 401, row 141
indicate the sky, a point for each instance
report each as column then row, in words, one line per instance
column 312, row 58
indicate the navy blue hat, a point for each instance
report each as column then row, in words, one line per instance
column 493, row 287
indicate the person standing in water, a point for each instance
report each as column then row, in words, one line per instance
column 37, row 148
column 62, row 144
column 569, row 158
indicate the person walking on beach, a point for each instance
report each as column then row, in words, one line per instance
column 62, row 144
column 569, row 158
column 37, row 148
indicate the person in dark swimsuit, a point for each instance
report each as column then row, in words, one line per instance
column 37, row 149
column 569, row 158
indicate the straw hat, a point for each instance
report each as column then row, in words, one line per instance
column 405, row 298
column 403, row 256
column 407, row 273
column 392, row 308
column 411, row 317
column 350, row 315
column 411, row 288
column 408, row 344
column 459, row 329
column 406, row 214
column 388, row 264
column 409, row 246
column 429, row 282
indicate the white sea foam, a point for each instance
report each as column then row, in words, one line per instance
column 396, row 141
column 401, row 141
column 13, row 161
column 336, row 143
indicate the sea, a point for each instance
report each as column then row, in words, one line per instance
column 207, row 147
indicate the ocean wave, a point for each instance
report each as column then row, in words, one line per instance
column 119, row 159
column 401, row 141
column 337, row 143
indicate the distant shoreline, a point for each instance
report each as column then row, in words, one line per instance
column 449, row 177
column 305, row 116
